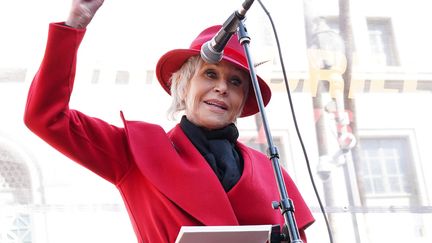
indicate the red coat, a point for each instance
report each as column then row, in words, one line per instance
column 164, row 181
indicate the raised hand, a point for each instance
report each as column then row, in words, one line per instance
column 82, row 12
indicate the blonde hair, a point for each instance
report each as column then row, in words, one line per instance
column 179, row 82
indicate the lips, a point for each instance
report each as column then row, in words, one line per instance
column 217, row 103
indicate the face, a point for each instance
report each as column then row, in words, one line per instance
column 216, row 95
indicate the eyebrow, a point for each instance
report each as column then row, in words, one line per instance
column 237, row 70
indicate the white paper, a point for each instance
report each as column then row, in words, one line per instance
column 224, row 234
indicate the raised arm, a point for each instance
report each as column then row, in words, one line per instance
column 89, row 141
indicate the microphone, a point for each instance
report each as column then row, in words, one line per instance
column 212, row 50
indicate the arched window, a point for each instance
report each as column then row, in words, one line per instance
column 15, row 189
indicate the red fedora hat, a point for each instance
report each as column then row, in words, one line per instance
column 171, row 61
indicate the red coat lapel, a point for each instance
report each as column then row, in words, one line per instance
column 179, row 171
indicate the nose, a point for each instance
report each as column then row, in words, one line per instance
column 221, row 86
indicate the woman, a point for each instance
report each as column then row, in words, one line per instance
column 197, row 173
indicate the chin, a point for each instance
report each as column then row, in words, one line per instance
column 216, row 123
column 210, row 120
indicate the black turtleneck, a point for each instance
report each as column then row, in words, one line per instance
column 218, row 148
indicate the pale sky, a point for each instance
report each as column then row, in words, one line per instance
column 127, row 32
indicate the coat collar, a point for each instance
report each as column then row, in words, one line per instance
column 176, row 168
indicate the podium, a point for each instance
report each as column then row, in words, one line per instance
column 225, row 234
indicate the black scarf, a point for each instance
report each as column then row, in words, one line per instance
column 218, row 148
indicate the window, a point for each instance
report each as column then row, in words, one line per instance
column 382, row 42
column 15, row 189
column 95, row 76
column 386, row 169
column 122, row 77
column 12, row 74
column 17, row 229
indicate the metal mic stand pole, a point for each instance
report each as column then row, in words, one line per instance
column 285, row 204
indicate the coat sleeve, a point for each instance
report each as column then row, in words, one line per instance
column 91, row 142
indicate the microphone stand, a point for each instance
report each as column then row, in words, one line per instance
column 285, row 204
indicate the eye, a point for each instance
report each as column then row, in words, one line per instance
column 211, row 73
column 236, row 82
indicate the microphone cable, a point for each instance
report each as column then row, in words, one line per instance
column 296, row 125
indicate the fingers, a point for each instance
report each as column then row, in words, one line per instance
column 82, row 12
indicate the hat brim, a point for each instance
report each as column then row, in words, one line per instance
column 172, row 61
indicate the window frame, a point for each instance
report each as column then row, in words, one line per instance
column 416, row 165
